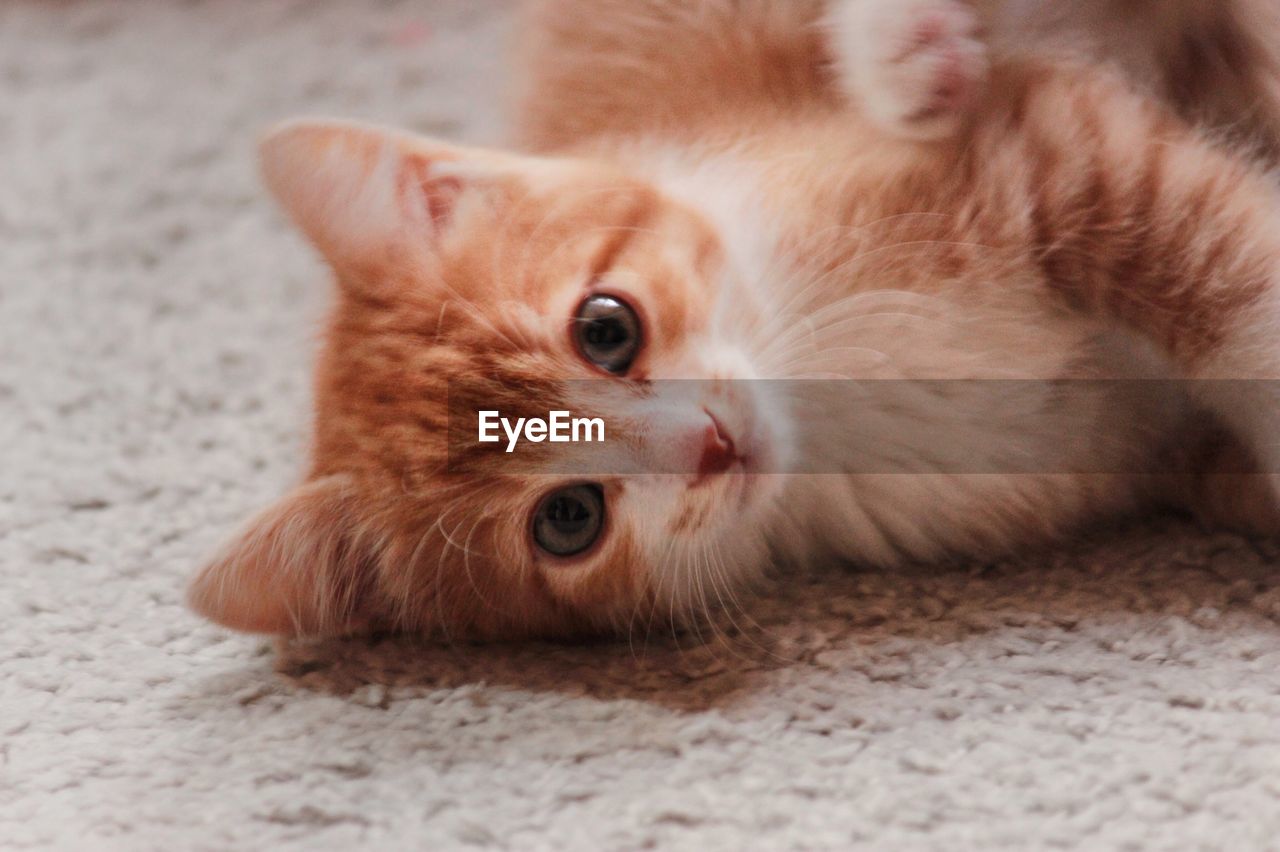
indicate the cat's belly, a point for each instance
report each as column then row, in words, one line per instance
column 986, row 444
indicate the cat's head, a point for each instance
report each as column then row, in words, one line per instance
column 523, row 285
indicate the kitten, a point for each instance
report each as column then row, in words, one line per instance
column 703, row 201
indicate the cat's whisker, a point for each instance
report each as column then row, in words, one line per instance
column 466, row 564
column 705, row 613
column 811, row 268
column 662, row 564
column 725, row 608
column 876, row 360
column 438, row 575
column 647, row 591
column 845, row 304
column 805, row 336
column 695, row 600
column 782, row 361
column 718, row 577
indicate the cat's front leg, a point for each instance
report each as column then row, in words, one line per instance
column 914, row 67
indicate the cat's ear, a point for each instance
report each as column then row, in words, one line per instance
column 300, row 568
column 366, row 195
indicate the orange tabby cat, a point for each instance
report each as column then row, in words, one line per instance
column 712, row 197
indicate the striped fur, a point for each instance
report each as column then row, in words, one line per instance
column 714, row 162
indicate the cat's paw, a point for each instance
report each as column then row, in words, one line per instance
column 915, row 67
column 1224, row 481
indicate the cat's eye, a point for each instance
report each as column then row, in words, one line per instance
column 568, row 521
column 607, row 332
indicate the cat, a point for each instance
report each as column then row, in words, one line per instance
column 704, row 193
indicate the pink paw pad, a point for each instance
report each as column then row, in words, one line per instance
column 916, row 66
column 953, row 83
column 929, row 29
column 937, row 65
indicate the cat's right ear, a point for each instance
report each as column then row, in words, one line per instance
column 300, row 568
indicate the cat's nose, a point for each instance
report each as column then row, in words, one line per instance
column 718, row 451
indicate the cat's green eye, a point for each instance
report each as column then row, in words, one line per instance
column 568, row 521
column 607, row 332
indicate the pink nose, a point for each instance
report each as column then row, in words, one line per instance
column 718, row 452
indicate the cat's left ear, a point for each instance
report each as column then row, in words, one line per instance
column 366, row 195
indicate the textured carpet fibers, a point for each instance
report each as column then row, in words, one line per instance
column 156, row 323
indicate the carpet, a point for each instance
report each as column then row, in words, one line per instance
column 156, row 323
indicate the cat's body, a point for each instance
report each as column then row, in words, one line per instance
column 1216, row 63
column 707, row 163
column 1051, row 186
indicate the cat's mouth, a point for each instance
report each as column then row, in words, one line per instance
column 737, row 465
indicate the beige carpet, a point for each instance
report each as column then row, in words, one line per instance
column 156, row 319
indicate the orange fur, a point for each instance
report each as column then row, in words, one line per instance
column 1070, row 203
